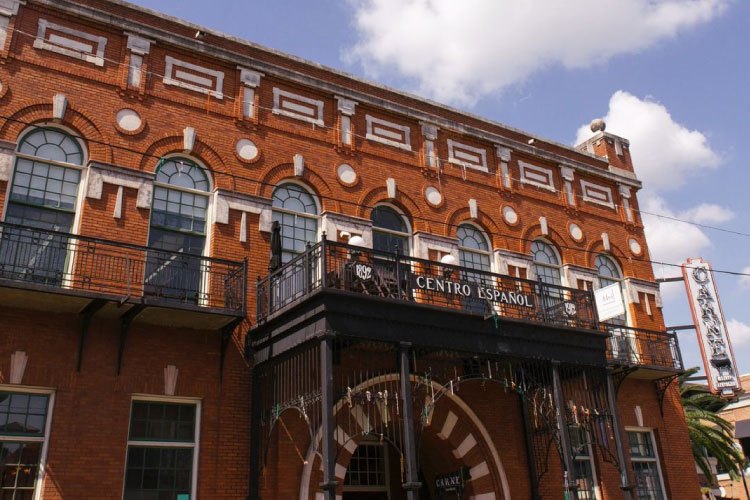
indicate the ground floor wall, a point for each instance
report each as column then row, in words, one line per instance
column 479, row 426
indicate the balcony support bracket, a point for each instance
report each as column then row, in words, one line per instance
column 620, row 375
column 226, row 335
column 125, row 321
column 86, row 314
column 662, row 384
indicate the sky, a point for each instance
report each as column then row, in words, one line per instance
column 669, row 75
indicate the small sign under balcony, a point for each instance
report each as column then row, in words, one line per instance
column 609, row 302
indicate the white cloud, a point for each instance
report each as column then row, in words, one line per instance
column 739, row 332
column 665, row 153
column 744, row 281
column 707, row 213
column 457, row 51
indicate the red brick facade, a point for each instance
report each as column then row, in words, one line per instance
column 88, row 437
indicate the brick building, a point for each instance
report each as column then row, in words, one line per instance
column 426, row 326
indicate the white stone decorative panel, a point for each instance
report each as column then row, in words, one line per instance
column 193, row 77
column 594, row 193
column 634, row 246
column 534, row 175
column 298, row 106
column 575, row 231
column 510, row 215
column 246, row 149
column 99, row 173
column 433, row 196
column 128, row 119
column 70, row 42
column 346, row 174
column 7, row 158
column 463, row 154
column 389, row 133
column 224, row 200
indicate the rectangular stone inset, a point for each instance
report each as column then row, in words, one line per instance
column 389, row 133
column 594, row 193
column 70, row 42
column 463, row 154
column 193, row 77
column 298, row 106
column 537, row 176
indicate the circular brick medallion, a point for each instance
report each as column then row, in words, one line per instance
column 510, row 215
column 634, row 246
column 433, row 196
column 247, row 150
column 346, row 174
column 129, row 121
column 575, row 232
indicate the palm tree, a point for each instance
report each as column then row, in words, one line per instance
column 710, row 435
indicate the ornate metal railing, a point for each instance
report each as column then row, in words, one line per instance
column 632, row 347
column 50, row 259
column 403, row 278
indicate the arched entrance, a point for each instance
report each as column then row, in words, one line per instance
column 455, row 439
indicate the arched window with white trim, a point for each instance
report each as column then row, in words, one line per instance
column 43, row 195
column 179, row 215
column 390, row 232
column 473, row 248
column 295, row 209
column 608, row 273
column 546, row 263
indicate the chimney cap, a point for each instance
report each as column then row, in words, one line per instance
column 598, row 125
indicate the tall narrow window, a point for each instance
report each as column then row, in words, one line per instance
column 294, row 208
column 546, row 262
column 643, row 456
column 23, row 433
column 367, row 475
column 162, row 451
column 389, row 231
column 178, row 226
column 473, row 253
column 43, row 197
column 583, row 463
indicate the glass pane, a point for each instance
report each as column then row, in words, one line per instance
column 22, row 414
column 19, row 466
column 387, row 218
column 51, row 144
column 182, row 172
column 166, row 476
column 154, row 421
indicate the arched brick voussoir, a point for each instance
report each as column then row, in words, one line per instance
column 403, row 201
column 285, row 171
column 174, row 144
column 82, row 125
column 596, row 247
column 483, row 221
column 553, row 236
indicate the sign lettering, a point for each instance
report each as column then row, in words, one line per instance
column 476, row 290
column 713, row 338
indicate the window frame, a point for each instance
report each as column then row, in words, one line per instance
column 589, row 457
column 50, row 392
column 657, row 457
column 557, row 267
column 316, row 217
column 483, row 234
column 349, row 488
column 151, row 398
column 407, row 235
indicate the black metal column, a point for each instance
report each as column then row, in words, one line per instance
column 562, row 423
column 412, row 483
column 328, row 452
column 530, row 451
column 255, row 451
column 625, row 483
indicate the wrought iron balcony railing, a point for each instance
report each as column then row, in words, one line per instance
column 44, row 259
column 634, row 347
column 354, row 269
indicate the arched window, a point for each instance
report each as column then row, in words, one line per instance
column 390, row 232
column 546, row 262
column 43, row 197
column 294, row 208
column 608, row 273
column 178, row 224
column 180, row 206
column 47, row 174
column 473, row 249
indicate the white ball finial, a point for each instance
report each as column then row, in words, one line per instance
column 598, row 125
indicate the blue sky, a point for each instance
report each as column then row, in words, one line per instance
column 670, row 75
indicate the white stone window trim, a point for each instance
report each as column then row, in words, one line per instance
column 25, row 389
column 224, row 200
column 198, row 402
column 72, row 48
column 539, row 171
column 634, row 287
column 656, row 458
column 169, row 77
column 99, row 174
column 334, row 224
column 317, row 104
column 585, row 185
column 444, row 245
column 370, row 135
column 482, row 152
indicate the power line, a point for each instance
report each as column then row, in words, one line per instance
column 438, row 160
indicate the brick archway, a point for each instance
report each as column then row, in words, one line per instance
column 456, row 437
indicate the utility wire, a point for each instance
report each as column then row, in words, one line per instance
column 424, row 219
column 438, row 160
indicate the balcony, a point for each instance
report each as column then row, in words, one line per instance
column 651, row 352
column 61, row 272
column 336, row 266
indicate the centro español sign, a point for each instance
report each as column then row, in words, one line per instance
column 472, row 290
